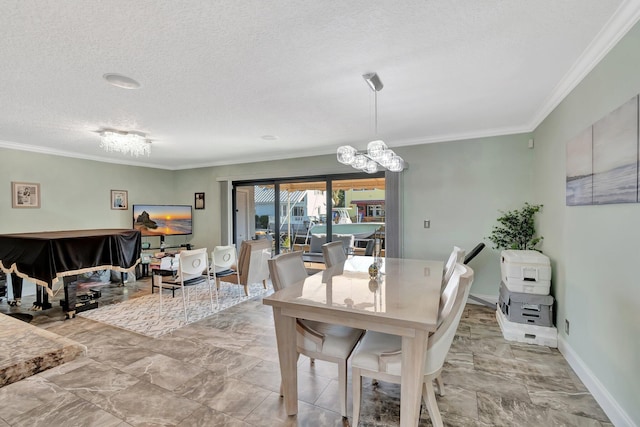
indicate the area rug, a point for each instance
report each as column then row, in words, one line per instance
column 142, row 315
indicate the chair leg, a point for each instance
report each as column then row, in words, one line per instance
column 342, row 383
column 184, row 303
column 357, row 394
column 264, row 283
column 429, row 396
column 246, row 290
column 440, row 385
column 160, row 291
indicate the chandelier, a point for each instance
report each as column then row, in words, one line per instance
column 133, row 143
column 377, row 154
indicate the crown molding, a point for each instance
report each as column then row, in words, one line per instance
column 625, row 17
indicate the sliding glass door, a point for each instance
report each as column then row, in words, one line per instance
column 291, row 211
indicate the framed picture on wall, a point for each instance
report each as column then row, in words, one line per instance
column 119, row 199
column 199, row 201
column 25, row 195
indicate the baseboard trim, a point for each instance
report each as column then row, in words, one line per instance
column 486, row 300
column 616, row 414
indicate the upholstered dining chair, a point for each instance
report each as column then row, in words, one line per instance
column 456, row 257
column 251, row 266
column 193, row 270
column 379, row 355
column 316, row 340
column 224, row 262
column 333, row 253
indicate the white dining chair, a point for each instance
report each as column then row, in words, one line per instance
column 316, row 340
column 456, row 257
column 379, row 355
column 333, row 253
column 193, row 270
column 224, row 262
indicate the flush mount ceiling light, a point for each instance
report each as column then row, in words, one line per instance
column 132, row 143
column 377, row 154
column 118, row 80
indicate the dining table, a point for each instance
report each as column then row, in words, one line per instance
column 402, row 299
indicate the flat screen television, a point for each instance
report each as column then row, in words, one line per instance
column 163, row 220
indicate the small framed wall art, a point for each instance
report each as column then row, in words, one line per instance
column 119, row 199
column 199, row 201
column 25, row 195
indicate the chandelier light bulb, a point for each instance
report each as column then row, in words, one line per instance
column 396, row 164
column 386, row 157
column 346, row 154
column 376, row 149
column 360, row 161
column 371, row 167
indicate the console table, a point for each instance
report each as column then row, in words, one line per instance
column 46, row 257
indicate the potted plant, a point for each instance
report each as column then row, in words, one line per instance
column 516, row 229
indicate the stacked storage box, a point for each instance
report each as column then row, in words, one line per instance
column 525, row 308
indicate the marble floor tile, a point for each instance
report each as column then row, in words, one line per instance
column 496, row 383
column 495, row 346
column 76, row 412
column 578, row 403
column 502, row 411
column 224, row 371
column 490, row 363
column 224, row 394
column 145, row 404
column 206, row 416
column 271, row 412
column 164, row 371
column 94, row 381
column 29, row 394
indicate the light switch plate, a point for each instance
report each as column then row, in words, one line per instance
column 427, row 223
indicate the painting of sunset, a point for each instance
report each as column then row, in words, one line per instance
column 162, row 220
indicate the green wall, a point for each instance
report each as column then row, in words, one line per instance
column 461, row 187
column 75, row 193
column 594, row 248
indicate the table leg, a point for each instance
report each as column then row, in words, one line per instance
column 413, row 353
column 287, row 353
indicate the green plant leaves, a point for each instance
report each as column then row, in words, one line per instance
column 516, row 229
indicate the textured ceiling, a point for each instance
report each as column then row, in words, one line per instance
column 218, row 75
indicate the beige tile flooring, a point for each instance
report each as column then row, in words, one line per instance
column 223, row 371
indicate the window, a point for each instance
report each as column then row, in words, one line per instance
column 375, row 210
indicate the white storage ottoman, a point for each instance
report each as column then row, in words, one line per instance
column 529, row 309
column 526, row 271
column 528, row 334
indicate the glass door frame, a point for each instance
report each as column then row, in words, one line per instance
column 275, row 182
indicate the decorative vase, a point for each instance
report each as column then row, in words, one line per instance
column 373, row 270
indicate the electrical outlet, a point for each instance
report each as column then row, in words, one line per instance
column 566, row 326
column 427, row 223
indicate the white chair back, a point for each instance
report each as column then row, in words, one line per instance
column 333, row 253
column 451, row 309
column 193, row 263
column 287, row 269
column 223, row 258
column 456, row 257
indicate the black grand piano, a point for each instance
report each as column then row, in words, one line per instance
column 47, row 257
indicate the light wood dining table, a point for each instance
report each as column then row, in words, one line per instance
column 403, row 300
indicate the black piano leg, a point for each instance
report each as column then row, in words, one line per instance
column 16, row 286
column 70, row 284
column 42, row 299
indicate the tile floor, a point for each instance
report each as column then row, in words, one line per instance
column 223, row 371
